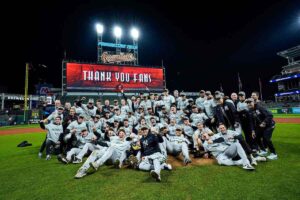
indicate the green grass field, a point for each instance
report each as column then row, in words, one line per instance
column 24, row 176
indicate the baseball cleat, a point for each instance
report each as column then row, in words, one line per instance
column 94, row 166
column 80, row 173
column 155, row 175
column 248, row 167
column 40, row 154
column 48, row 157
column 272, row 156
column 62, row 159
column 187, row 161
column 262, row 153
column 260, row 159
column 168, row 167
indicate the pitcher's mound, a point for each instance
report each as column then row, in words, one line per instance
column 178, row 161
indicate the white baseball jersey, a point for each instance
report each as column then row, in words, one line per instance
column 54, row 131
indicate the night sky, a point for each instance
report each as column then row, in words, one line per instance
column 202, row 46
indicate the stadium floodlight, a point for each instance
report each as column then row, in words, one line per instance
column 99, row 28
column 135, row 33
column 117, row 32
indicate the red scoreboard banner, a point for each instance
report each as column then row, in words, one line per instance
column 94, row 77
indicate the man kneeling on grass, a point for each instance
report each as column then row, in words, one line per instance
column 225, row 149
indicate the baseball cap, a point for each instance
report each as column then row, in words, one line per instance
column 185, row 118
column 182, row 94
column 249, row 100
column 60, row 108
column 115, row 100
column 82, row 116
column 97, row 116
column 144, row 127
column 202, row 91
column 84, row 129
column 242, row 93
column 218, row 96
column 190, row 100
column 91, row 101
column 178, row 128
column 208, row 93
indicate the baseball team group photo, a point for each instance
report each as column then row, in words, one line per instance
column 126, row 100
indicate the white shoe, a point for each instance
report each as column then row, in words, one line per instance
column 48, row 157
column 260, row 159
column 272, row 156
column 262, row 153
column 94, row 165
column 253, row 161
column 168, row 167
column 40, row 154
column 155, row 175
column 248, row 167
column 80, row 173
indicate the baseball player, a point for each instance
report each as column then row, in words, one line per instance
column 178, row 144
column 89, row 109
column 182, row 101
column 200, row 100
column 168, row 99
column 54, row 129
column 152, row 158
column 197, row 137
column 246, row 120
column 197, row 117
column 264, row 127
column 116, row 151
column 82, row 146
column 96, row 154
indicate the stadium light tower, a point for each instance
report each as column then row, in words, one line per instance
column 135, row 36
column 118, row 34
column 99, row 29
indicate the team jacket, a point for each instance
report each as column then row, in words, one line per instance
column 149, row 144
column 227, row 114
column 260, row 114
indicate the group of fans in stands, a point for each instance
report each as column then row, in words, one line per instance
column 143, row 130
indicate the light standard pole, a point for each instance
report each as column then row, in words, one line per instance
column 118, row 34
column 26, row 90
column 99, row 29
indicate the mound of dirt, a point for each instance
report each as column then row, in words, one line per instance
column 178, row 161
